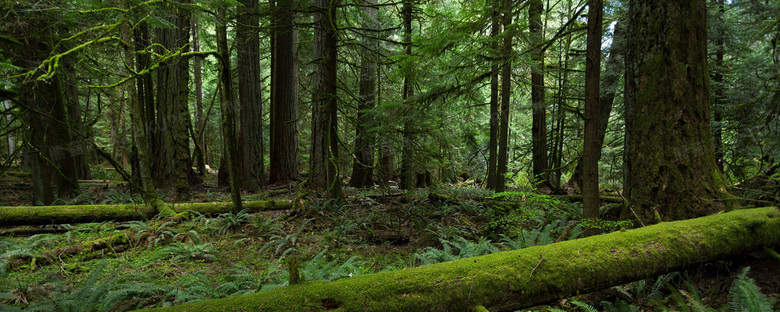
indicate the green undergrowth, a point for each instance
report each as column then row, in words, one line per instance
column 190, row 257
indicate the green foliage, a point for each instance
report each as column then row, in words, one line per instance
column 547, row 234
column 607, row 225
column 179, row 252
column 116, row 197
column 283, row 244
column 456, row 248
column 745, row 296
column 229, row 222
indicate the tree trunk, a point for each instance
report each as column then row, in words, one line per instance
column 140, row 94
column 539, row 107
column 42, row 215
column 591, row 146
column 719, row 94
column 249, row 88
column 506, row 92
column 613, row 70
column 670, row 166
column 173, row 153
column 324, row 155
column 228, row 107
column 495, row 29
column 365, row 138
column 407, row 155
column 81, row 132
column 513, row 280
column 197, row 76
column 284, row 97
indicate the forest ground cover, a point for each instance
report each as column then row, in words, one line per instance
column 170, row 260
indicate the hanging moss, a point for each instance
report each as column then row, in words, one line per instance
column 515, row 279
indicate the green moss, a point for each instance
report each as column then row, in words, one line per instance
column 515, row 279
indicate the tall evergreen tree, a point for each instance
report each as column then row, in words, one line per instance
column 284, row 94
column 670, row 163
column 365, row 138
column 251, row 160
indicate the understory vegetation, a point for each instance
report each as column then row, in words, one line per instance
column 172, row 259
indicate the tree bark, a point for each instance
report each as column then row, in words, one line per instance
column 197, row 76
column 506, row 93
column 365, row 137
column 324, row 156
column 43, row 215
column 670, row 166
column 513, row 280
column 539, row 107
column 495, row 29
column 174, row 168
column 591, row 146
column 228, row 107
column 251, row 160
column 719, row 94
column 284, row 97
column 407, row 155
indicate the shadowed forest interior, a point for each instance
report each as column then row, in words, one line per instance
column 617, row 155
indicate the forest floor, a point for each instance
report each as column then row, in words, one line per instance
column 165, row 261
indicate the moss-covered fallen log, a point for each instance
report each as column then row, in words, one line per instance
column 41, row 215
column 512, row 280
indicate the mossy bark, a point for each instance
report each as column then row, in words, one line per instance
column 671, row 172
column 515, row 279
column 26, row 215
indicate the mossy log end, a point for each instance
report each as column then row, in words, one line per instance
column 42, row 215
column 515, row 279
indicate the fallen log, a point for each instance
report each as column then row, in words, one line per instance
column 43, row 215
column 513, row 280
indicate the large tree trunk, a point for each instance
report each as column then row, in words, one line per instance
column 173, row 154
column 251, row 161
column 539, row 107
column 284, row 97
column 591, row 146
column 324, row 157
column 670, row 166
column 143, row 152
column 42, row 215
column 513, row 280
column 365, row 138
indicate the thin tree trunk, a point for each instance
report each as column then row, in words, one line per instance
column 719, row 95
column 506, row 93
column 251, row 160
column 539, row 107
column 365, row 138
column 284, row 101
column 407, row 166
column 591, row 146
column 229, row 132
column 495, row 29
column 200, row 142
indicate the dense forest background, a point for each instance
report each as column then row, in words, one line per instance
column 650, row 112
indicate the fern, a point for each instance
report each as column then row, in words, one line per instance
column 584, row 306
column 745, row 296
column 454, row 249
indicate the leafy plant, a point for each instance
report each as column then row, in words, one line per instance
column 745, row 296
column 232, row 221
column 284, row 244
column 454, row 249
column 185, row 252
